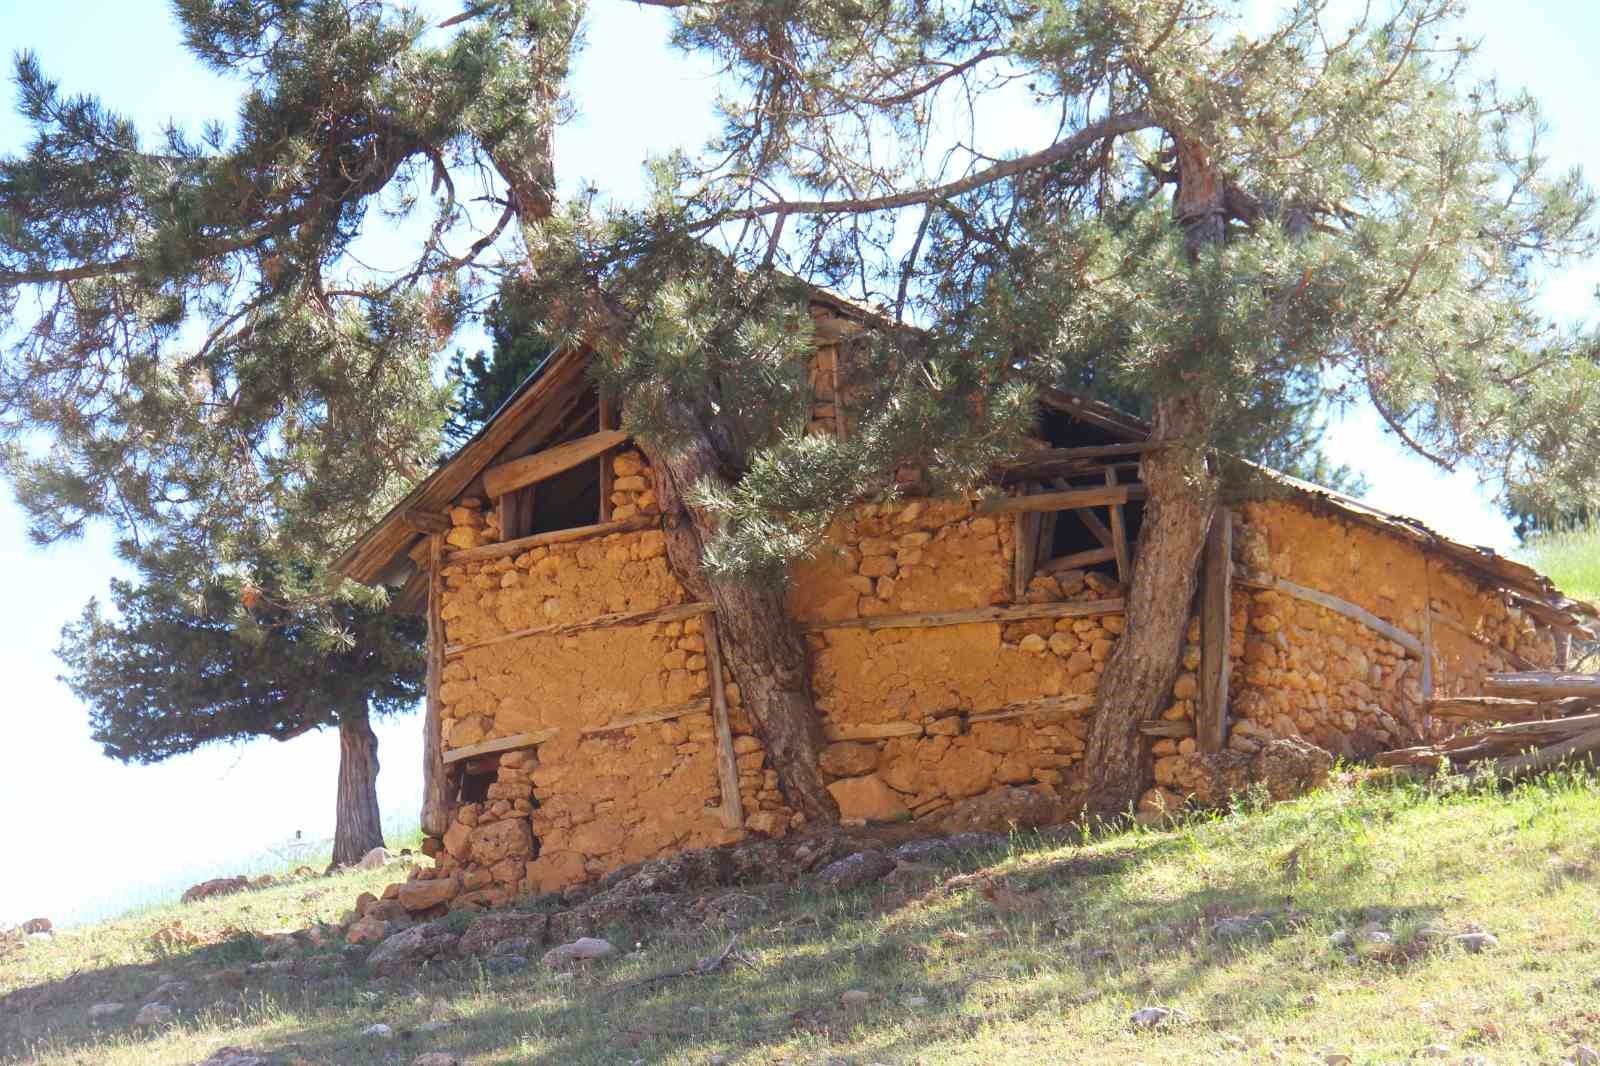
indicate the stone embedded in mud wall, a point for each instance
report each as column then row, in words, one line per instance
column 633, row 488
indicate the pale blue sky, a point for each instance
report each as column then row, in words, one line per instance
column 94, row 833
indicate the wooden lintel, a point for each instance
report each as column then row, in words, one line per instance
column 674, row 613
column 519, row 473
column 1169, row 730
column 1052, row 462
column 558, row 536
column 499, row 744
column 426, row 521
column 1044, row 707
column 1015, row 613
column 660, row 714
column 871, row 730
column 1216, row 609
column 727, row 758
column 1263, row 580
column 1063, row 501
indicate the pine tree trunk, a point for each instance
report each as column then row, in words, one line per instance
column 760, row 642
column 357, row 827
column 1181, row 493
column 1137, row 683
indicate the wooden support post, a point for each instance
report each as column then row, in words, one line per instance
column 727, row 758
column 1216, row 609
column 435, row 782
column 1119, row 532
column 1025, row 555
column 608, row 420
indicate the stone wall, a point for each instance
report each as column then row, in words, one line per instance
column 1300, row 670
column 905, row 705
column 918, row 718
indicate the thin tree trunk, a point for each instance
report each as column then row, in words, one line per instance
column 357, row 827
column 1137, row 683
column 1182, row 492
column 762, row 647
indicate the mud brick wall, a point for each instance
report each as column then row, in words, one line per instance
column 1301, row 670
column 903, row 705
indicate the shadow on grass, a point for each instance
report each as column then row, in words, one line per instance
column 1017, row 934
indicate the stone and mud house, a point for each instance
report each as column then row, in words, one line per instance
column 581, row 713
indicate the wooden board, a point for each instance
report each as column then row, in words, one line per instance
column 727, row 758
column 557, row 536
column 1025, row 555
column 530, row 469
column 871, row 730
column 1092, row 557
column 426, row 521
column 1262, row 580
column 1054, row 462
column 1092, row 523
column 1216, row 609
column 1043, row 707
column 1119, row 532
column 674, row 613
column 1542, row 685
column 516, row 513
column 436, row 812
column 659, row 714
column 1063, row 501
column 1168, row 730
column 1017, row 613
column 608, row 475
column 499, row 744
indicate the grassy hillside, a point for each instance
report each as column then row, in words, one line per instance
column 1035, row 953
column 1571, row 560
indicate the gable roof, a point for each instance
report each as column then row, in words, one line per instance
column 384, row 553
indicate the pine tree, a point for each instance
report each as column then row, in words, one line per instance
column 183, row 661
column 1234, row 225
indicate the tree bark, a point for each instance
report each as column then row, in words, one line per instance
column 1181, row 496
column 763, row 648
column 357, row 826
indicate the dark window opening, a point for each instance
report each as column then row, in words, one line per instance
column 1082, row 538
column 476, row 777
column 569, row 499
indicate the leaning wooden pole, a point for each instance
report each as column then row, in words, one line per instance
column 1216, row 609
column 435, row 782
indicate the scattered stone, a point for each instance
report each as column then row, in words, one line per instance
column 1155, row 1017
column 366, row 931
column 916, row 1002
column 1432, row 1051
column 423, row 895
column 856, row 998
column 35, row 926
column 104, row 1010
column 1337, row 1058
column 1237, row 1043
column 436, row 1058
column 504, row 964
column 493, row 934
column 1340, row 938
column 235, row 1056
column 1476, row 942
column 152, row 1014
column 378, row 1031
column 1001, row 811
column 853, row 871
column 1237, row 928
column 217, row 886
column 412, row 947
column 376, row 859
column 583, row 949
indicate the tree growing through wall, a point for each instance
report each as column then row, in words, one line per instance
column 185, row 659
column 1224, row 219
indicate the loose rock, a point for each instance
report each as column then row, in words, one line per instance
column 1476, row 942
column 375, row 859
column 378, row 1031
column 855, row 998
column 583, row 949
column 853, row 871
column 436, row 1058
column 1154, row 1017
column 152, row 1014
column 235, row 1056
column 104, row 1010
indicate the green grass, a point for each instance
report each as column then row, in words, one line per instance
column 1046, row 968
column 1571, row 560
